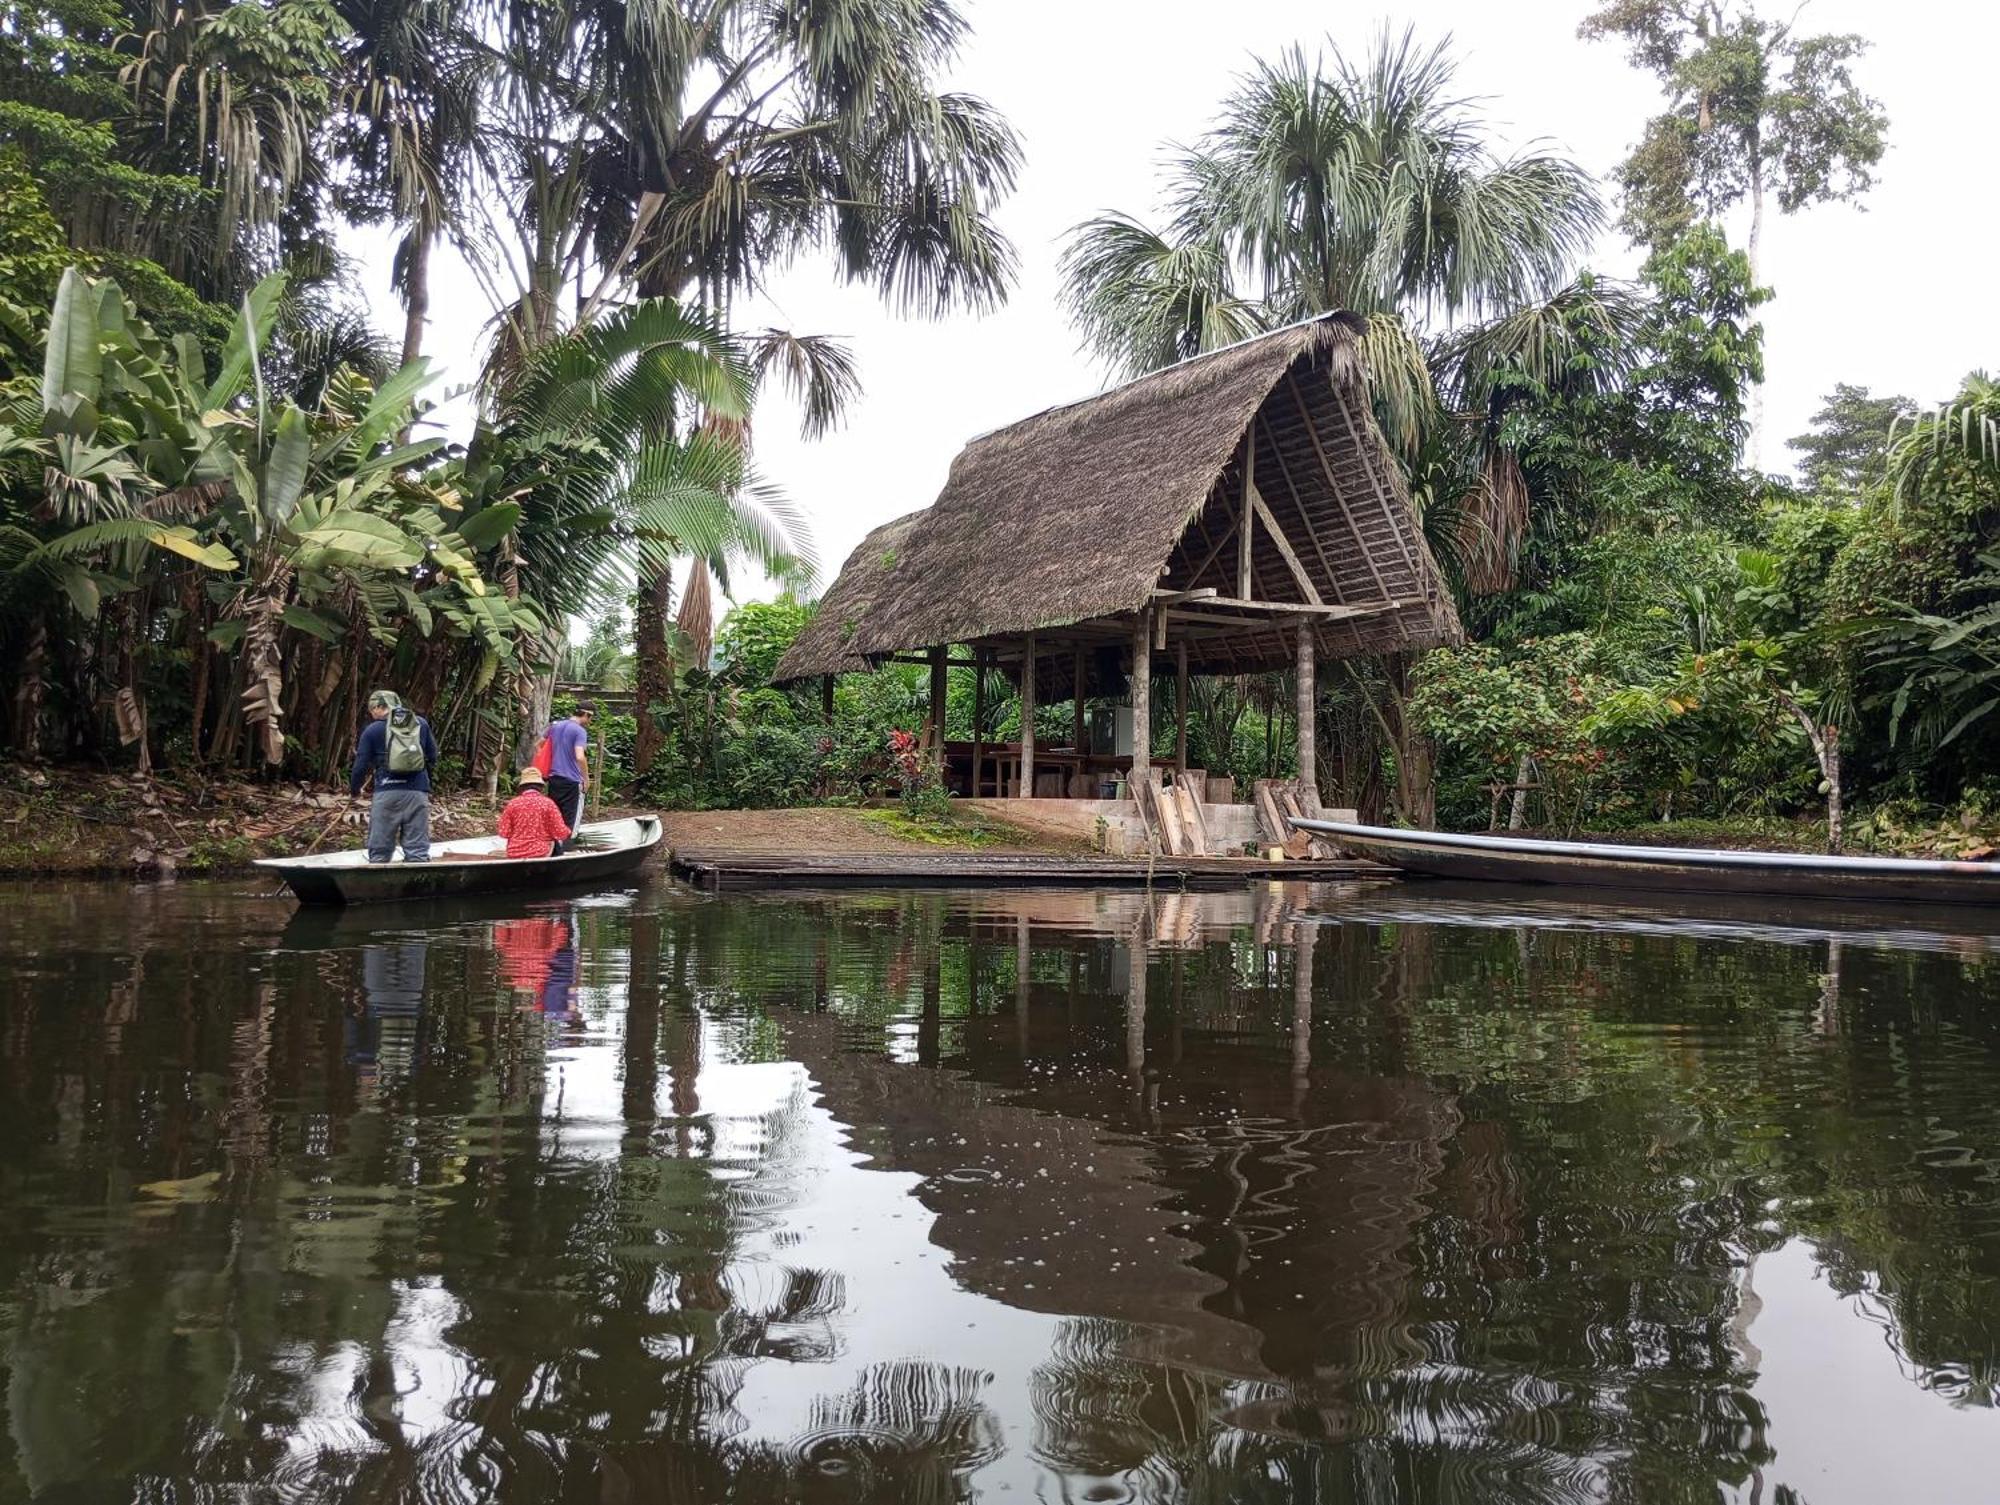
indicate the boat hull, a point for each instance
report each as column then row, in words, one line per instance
column 341, row 879
column 1496, row 859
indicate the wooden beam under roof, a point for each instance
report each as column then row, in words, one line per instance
column 1220, row 544
column 1298, row 505
column 1284, row 546
column 1340, row 500
column 1292, row 608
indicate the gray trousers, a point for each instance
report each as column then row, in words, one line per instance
column 399, row 817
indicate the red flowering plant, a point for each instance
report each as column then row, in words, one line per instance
column 924, row 796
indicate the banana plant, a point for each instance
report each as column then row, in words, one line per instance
column 323, row 522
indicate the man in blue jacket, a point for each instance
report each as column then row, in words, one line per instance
column 397, row 748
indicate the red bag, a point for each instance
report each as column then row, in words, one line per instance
column 545, row 758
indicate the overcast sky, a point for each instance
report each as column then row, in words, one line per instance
column 1895, row 295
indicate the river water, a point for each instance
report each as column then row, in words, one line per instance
column 1345, row 1194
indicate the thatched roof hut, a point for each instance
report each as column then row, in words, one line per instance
column 1239, row 510
column 1096, row 511
column 865, row 580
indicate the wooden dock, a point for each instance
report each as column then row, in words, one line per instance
column 716, row 869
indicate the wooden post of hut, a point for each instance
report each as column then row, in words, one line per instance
column 1180, row 707
column 1308, row 703
column 1246, row 526
column 1026, row 787
column 1142, row 700
column 1024, row 969
column 1302, row 1010
column 1135, row 1006
column 1076, row 675
column 935, row 751
column 978, row 716
column 826, row 698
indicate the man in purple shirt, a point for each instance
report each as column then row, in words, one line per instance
column 569, row 763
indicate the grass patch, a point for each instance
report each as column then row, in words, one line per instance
column 1741, row 833
column 935, row 831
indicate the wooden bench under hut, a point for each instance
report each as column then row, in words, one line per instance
column 1235, row 513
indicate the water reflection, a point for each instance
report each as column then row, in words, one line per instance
column 1271, row 1195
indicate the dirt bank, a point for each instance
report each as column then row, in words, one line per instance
column 77, row 823
column 80, row 824
column 844, row 832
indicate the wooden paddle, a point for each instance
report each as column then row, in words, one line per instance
column 324, row 832
column 327, row 830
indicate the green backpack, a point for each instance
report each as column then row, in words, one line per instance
column 406, row 741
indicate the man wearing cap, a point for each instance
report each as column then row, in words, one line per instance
column 400, row 757
column 569, row 763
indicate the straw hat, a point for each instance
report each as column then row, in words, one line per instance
column 531, row 775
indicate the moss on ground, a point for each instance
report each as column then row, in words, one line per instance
column 941, row 831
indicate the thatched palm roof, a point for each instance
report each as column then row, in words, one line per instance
column 864, row 581
column 1082, row 512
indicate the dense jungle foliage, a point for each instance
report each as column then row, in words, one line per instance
column 224, row 516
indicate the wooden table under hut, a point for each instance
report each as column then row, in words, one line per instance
column 1233, row 514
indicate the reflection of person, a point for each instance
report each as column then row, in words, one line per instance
column 396, row 746
column 532, row 824
column 538, row 957
column 569, row 762
column 392, row 985
column 556, row 987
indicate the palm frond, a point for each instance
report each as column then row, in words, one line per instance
column 1142, row 300
column 818, row 371
column 1964, row 432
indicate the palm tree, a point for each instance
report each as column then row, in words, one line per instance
column 687, row 150
column 1329, row 185
column 1957, row 443
column 732, row 139
column 626, row 442
column 411, row 96
column 240, row 96
column 1325, row 186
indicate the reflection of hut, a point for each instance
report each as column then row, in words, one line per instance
column 1235, row 513
column 1052, row 1213
column 1259, row 1229
column 1168, row 919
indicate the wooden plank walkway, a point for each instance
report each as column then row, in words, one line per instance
column 712, row 868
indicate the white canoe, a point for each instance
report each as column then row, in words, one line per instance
column 606, row 849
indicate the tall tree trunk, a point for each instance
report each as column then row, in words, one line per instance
column 1416, row 761
column 28, row 690
column 417, row 291
column 1754, row 447
column 1825, row 742
column 653, row 680
column 1517, row 815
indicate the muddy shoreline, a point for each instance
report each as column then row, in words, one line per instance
column 66, row 824
column 73, row 823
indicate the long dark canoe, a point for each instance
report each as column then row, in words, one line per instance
column 1959, row 929
column 605, row 850
column 1585, row 864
